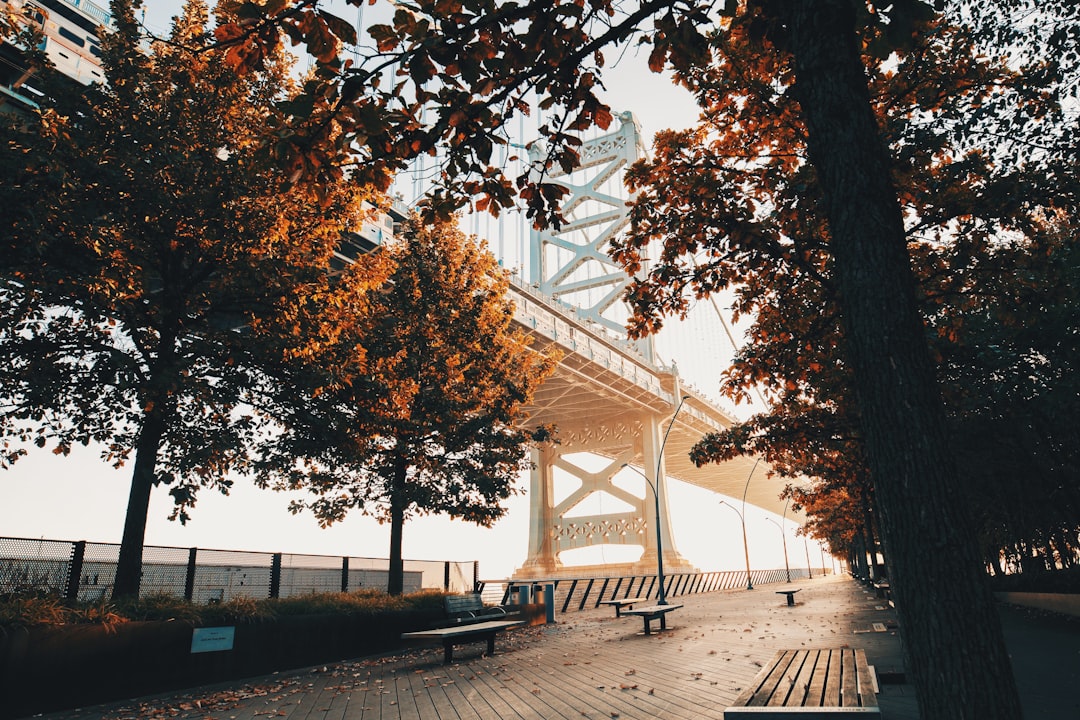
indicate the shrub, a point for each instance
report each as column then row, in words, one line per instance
column 27, row 610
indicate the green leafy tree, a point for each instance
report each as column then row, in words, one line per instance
column 428, row 418
column 450, row 75
column 156, row 269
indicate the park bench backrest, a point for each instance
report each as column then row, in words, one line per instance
column 466, row 605
column 469, row 608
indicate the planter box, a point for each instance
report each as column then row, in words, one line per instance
column 58, row 668
column 54, row 668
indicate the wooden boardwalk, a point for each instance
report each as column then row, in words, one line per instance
column 589, row 664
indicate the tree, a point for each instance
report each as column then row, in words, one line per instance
column 1008, row 347
column 962, row 205
column 429, row 419
column 472, row 63
column 155, row 270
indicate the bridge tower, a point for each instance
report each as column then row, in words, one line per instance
column 571, row 266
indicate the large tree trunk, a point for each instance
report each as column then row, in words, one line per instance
column 953, row 643
column 396, row 581
column 129, row 564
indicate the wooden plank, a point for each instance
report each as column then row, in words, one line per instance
column 466, row 701
column 459, row 604
column 799, row 695
column 480, row 686
column 867, row 696
column 748, row 693
column 462, row 631
column 769, row 684
column 831, row 698
column 849, row 690
column 784, row 686
column 815, row 695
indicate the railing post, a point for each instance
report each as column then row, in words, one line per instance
column 345, row 574
column 600, row 595
column 189, row 576
column 585, row 596
column 275, row 576
column 446, row 576
column 569, row 594
column 74, row 578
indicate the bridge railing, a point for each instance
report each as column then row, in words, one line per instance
column 573, row 594
column 536, row 310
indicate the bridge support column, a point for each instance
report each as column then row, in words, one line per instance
column 542, row 559
column 652, row 428
column 555, row 526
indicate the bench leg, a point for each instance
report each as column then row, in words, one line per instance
column 663, row 621
column 491, row 644
column 791, row 599
column 448, row 651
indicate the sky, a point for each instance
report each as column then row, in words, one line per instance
column 78, row 497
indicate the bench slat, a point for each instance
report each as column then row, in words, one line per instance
column 785, row 686
column 849, row 689
column 800, row 694
column 652, row 612
column 810, row 683
column 815, row 696
column 772, row 681
column 866, row 680
column 832, row 682
column 451, row 636
column 457, row 604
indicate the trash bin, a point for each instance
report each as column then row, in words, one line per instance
column 524, row 593
column 549, row 602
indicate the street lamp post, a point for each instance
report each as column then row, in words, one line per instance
column 742, row 519
column 661, row 595
column 783, row 536
column 746, row 549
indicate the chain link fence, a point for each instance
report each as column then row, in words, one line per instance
column 85, row 570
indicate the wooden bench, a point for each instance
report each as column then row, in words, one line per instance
column 620, row 603
column 810, row 684
column 790, row 595
column 470, row 608
column 470, row 632
column 652, row 612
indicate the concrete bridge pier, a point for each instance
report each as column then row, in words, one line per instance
column 554, row 528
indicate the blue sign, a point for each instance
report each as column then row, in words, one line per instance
column 213, row 639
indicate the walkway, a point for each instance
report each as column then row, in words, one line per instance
column 592, row 665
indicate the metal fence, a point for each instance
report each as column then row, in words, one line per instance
column 83, row 570
column 588, row 592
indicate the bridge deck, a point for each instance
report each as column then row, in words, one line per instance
column 593, row 665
